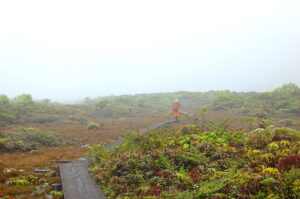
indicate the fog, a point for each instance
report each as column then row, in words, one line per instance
column 70, row 49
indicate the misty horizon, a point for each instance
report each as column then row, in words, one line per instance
column 80, row 100
column 69, row 50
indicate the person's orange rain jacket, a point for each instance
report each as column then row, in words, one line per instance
column 176, row 109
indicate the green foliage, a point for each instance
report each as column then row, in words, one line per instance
column 203, row 114
column 287, row 89
column 204, row 108
column 213, row 164
column 164, row 162
column 221, row 125
column 16, row 181
column 288, row 122
column 97, row 153
column 57, row 193
column 4, row 100
column 34, row 137
column 190, row 129
column 2, row 140
column 94, row 125
column 6, row 119
column 273, row 146
column 283, row 102
column 101, row 103
column 6, row 116
column 22, row 106
column 27, row 180
column 183, row 176
column 207, row 189
column 145, row 141
column 266, row 122
column 23, row 99
column 291, row 186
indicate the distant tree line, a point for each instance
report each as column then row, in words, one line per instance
column 281, row 102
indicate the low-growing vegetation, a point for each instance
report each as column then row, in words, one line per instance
column 57, row 194
column 94, row 125
column 220, row 155
column 190, row 163
column 282, row 103
column 26, row 139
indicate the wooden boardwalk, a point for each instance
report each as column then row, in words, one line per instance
column 77, row 182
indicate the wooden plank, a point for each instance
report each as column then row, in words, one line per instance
column 77, row 182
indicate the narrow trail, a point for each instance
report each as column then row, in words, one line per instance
column 77, row 182
column 152, row 127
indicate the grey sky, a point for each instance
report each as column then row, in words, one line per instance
column 71, row 49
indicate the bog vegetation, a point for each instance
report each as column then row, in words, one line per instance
column 233, row 144
column 191, row 163
column 282, row 103
column 26, row 139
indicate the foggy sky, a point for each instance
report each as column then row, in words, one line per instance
column 71, row 49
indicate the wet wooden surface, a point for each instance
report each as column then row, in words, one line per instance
column 77, row 182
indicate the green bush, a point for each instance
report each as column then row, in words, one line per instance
column 94, row 125
column 57, row 193
column 190, row 129
column 6, row 119
column 34, row 137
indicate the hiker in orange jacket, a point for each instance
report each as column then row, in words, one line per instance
column 176, row 112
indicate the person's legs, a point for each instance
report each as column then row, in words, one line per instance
column 176, row 114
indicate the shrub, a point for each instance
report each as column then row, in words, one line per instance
column 44, row 119
column 249, row 120
column 221, row 125
column 291, row 186
column 285, row 134
column 78, row 117
column 190, row 129
column 6, row 119
column 94, row 125
column 2, row 140
column 16, row 181
column 288, row 162
column 34, row 137
column 288, row 122
column 214, row 164
column 57, row 194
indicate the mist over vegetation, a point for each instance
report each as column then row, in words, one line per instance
column 162, row 99
column 281, row 102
